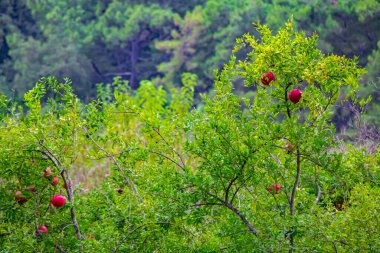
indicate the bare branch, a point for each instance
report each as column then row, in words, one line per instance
column 207, row 204
column 67, row 181
column 306, row 156
column 216, row 197
column 319, row 194
column 229, row 186
column 233, row 180
column 117, row 74
column 129, row 182
column 295, row 183
column 286, row 100
column 125, row 112
column 237, row 212
column 276, row 159
column 59, row 248
column 242, row 217
column 291, row 203
column 35, row 212
column 110, row 155
column 238, row 188
column 51, row 156
column 162, row 138
column 170, row 159
column 324, row 109
column 140, row 227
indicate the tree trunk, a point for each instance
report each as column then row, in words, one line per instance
column 134, row 57
column 292, row 212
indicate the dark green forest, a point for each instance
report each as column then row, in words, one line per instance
column 189, row 126
column 92, row 42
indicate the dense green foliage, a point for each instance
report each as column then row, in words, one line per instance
column 93, row 41
column 186, row 179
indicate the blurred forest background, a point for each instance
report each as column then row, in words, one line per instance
column 92, row 42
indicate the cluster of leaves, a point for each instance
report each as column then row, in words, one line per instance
column 184, row 179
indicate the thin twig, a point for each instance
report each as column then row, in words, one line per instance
column 170, row 159
column 60, row 248
column 239, row 187
column 118, row 74
column 207, row 204
column 286, row 99
column 110, row 155
column 35, row 211
column 126, row 112
column 207, row 161
column 129, row 182
column 276, row 159
column 136, row 229
column 282, row 174
column 335, row 249
column 74, row 136
column 306, row 156
column 324, row 109
column 319, row 194
column 229, row 186
column 162, row 138
column 233, row 180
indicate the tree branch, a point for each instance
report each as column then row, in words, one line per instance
column 35, row 211
column 162, row 138
column 306, row 156
column 136, row 229
column 233, row 180
column 207, row 204
column 291, row 204
column 324, row 109
column 170, row 159
column 242, row 217
column 118, row 74
column 110, row 155
column 295, row 183
column 319, row 194
column 238, row 188
column 129, row 182
column 286, row 99
column 59, row 247
column 237, row 212
column 229, row 186
column 67, row 181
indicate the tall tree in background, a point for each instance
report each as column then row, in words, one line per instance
column 116, row 36
column 205, row 36
column 55, row 56
column 15, row 17
column 181, row 45
column 52, row 51
column 130, row 30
